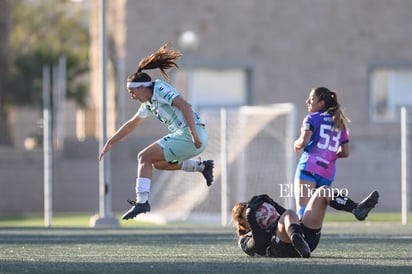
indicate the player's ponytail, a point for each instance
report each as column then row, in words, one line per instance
column 333, row 107
column 163, row 59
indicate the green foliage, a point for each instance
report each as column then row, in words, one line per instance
column 41, row 32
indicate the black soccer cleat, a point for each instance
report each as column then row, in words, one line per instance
column 137, row 208
column 366, row 205
column 300, row 245
column 208, row 171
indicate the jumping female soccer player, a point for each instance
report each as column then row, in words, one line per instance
column 187, row 137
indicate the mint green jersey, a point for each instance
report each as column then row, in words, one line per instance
column 160, row 105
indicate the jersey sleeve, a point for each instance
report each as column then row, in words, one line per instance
column 307, row 124
column 344, row 136
column 143, row 111
column 165, row 93
column 247, row 244
column 259, row 236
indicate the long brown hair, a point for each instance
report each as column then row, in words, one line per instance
column 332, row 107
column 163, row 59
column 237, row 213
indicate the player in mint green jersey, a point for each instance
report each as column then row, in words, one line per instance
column 187, row 137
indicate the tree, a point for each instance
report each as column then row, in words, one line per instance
column 40, row 32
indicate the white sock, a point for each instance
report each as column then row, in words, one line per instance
column 142, row 197
column 142, row 189
column 192, row 165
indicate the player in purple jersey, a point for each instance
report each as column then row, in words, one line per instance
column 323, row 138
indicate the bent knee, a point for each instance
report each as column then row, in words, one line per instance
column 289, row 214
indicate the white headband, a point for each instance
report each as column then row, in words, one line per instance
column 138, row 84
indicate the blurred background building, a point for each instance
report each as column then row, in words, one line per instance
column 235, row 53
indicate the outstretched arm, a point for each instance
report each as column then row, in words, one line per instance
column 122, row 132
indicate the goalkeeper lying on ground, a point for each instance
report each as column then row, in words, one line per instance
column 288, row 236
